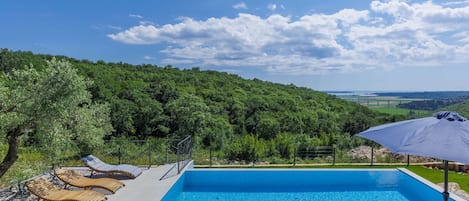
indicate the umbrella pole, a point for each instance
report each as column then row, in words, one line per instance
column 445, row 193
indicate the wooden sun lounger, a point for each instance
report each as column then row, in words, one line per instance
column 44, row 189
column 73, row 178
column 97, row 165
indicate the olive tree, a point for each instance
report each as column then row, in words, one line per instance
column 49, row 105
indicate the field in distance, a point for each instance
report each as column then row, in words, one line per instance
column 388, row 102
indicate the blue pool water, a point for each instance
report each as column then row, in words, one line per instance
column 299, row 185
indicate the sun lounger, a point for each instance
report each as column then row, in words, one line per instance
column 73, row 178
column 44, row 189
column 97, row 165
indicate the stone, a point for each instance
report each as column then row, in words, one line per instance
column 453, row 187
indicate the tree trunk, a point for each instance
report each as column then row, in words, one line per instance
column 12, row 154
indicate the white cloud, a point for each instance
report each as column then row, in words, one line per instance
column 462, row 37
column 390, row 34
column 101, row 27
column 398, row 9
column 272, row 7
column 350, row 16
column 240, row 5
column 149, row 58
column 144, row 22
column 114, row 27
column 135, row 16
column 451, row 3
column 138, row 35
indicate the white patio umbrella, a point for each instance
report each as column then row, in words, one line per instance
column 444, row 135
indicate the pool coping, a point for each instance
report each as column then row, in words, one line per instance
column 294, row 169
column 430, row 184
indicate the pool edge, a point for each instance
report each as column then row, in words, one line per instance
column 430, row 184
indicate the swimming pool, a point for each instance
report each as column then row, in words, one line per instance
column 300, row 185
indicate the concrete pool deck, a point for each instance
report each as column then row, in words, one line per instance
column 147, row 186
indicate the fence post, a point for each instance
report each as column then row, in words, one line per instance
column 192, row 142
column 294, row 157
column 149, row 155
column 210, row 156
column 333, row 155
column 254, row 156
column 178, row 158
column 119, row 154
column 166, row 154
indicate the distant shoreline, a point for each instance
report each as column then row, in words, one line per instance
column 402, row 94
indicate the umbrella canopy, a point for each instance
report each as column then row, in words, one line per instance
column 444, row 135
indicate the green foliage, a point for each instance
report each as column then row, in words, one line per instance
column 217, row 133
column 189, row 115
column 461, row 108
column 283, row 146
column 431, row 105
column 51, row 108
column 23, row 169
column 245, row 148
column 249, row 119
column 396, row 111
column 427, row 94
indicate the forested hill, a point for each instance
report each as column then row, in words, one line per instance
column 433, row 104
column 461, row 108
column 433, row 95
column 149, row 100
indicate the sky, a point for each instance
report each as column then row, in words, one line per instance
column 381, row 45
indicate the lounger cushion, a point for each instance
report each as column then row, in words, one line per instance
column 100, row 166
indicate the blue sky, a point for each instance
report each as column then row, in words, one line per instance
column 325, row 45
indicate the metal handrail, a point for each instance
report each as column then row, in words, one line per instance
column 183, row 156
column 184, row 152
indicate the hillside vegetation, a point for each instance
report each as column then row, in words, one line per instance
column 432, row 95
column 461, row 108
column 240, row 118
column 433, row 104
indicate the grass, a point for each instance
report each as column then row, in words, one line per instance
column 399, row 111
column 437, row 176
column 395, row 111
column 386, row 104
column 379, row 101
column 28, row 165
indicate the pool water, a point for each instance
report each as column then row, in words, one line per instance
column 297, row 196
column 299, row 185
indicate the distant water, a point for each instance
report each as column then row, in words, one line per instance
column 352, row 93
